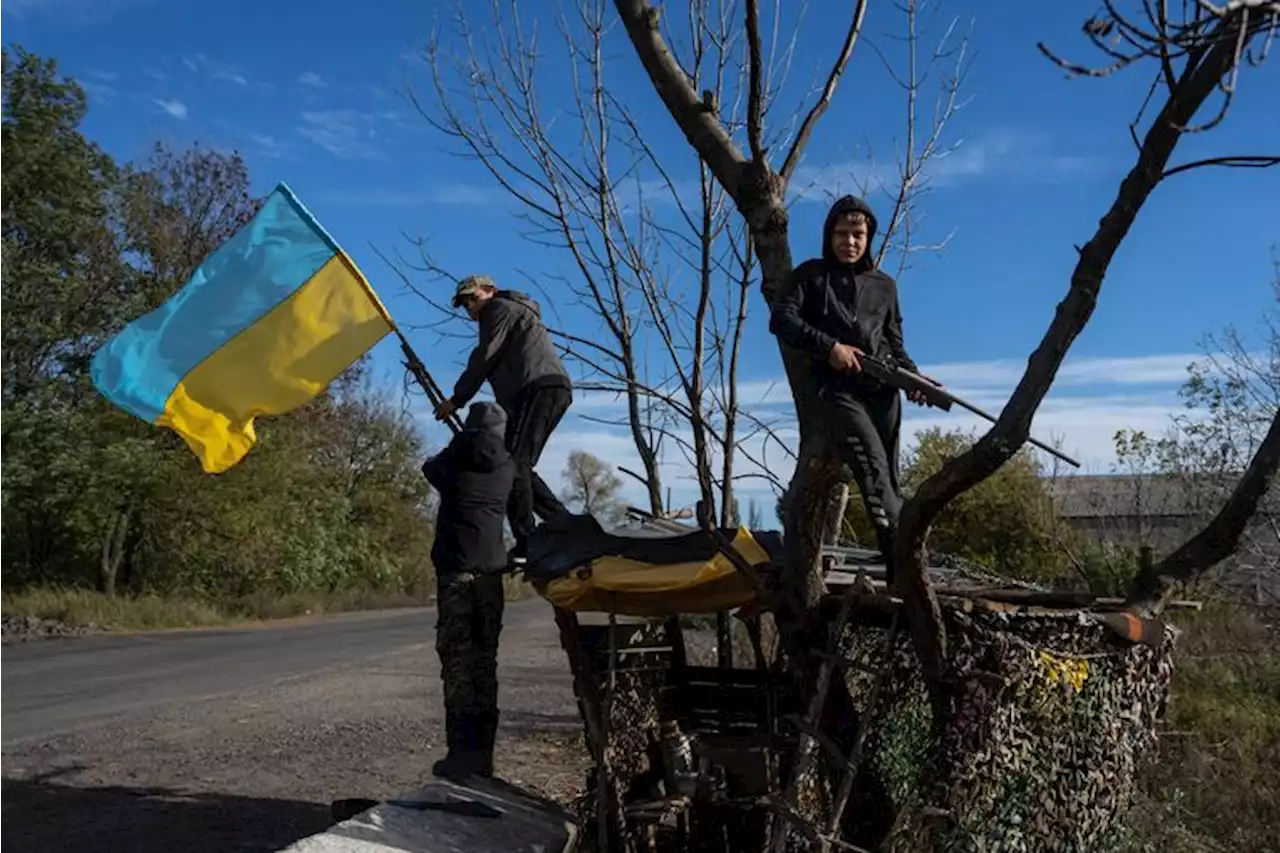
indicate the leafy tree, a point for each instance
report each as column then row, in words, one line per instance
column 592, row 487
column 59, row 254
column 1006, row 522
column 331, row 498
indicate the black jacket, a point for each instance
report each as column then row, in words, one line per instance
column 827, row 301
column 473, row 475
column 514, row 352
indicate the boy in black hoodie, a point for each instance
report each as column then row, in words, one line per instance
column 837, row 308
column 473, row 476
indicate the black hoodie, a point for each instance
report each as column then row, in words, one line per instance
column 474, row 475
column 827, row 301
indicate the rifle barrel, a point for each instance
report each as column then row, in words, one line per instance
column 887, row 374
column 1030, row 438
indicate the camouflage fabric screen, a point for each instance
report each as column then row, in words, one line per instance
column 1051, row 716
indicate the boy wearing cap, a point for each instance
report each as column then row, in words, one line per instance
column 515, row 354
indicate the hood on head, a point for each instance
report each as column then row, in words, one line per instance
column 522, row 299
column 843, row 205
column 484, row 416
column 484, row 432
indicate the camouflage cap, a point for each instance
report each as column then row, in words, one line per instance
column 470, row 285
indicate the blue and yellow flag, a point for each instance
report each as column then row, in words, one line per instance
column 265, row 323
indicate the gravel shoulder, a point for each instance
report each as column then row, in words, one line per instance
column 256, row 769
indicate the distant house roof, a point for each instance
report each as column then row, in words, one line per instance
column 1114, row 495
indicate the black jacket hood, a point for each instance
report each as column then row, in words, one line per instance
column 484, row 431
column 843, row 205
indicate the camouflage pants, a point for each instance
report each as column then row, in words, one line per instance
column 469, row 619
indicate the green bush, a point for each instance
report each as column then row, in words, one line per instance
column 330, row 501
column 1006, row 522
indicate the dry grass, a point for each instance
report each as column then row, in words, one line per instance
column 1215, row 786
column 81, row 608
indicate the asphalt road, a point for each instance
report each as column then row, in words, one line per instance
column 238, row 740
column 55, row 687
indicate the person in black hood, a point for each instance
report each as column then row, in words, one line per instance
column 837, row 308
column 529, row 381
column 473, row 476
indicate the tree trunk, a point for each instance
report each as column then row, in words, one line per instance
column 1220, row 537
column 113, row 542
column 1196, row 83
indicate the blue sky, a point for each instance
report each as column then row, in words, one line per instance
column 314, row 94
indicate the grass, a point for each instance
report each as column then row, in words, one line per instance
column 83, row 608
column 1215, row 785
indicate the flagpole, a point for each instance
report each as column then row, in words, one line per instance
column 420, row 373
column 411, row 361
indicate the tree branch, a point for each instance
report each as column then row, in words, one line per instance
column 701, row 127
column 1219, row 538
column 1013, row 426
column 1257, row 161
column 815, row 113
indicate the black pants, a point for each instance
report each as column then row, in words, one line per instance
column 469, row 609
column 864, row 430
column 529, row 426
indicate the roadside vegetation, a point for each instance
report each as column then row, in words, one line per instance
column 109, row 521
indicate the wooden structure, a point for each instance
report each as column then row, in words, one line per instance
column 746, row 781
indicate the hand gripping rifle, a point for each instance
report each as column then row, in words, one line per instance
column 419, row 371
column 940, row 398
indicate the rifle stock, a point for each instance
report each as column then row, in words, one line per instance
column 939, row 398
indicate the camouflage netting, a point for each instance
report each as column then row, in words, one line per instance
column 632, row 721
column 1051, row 717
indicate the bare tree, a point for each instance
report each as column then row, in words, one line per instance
column 1229, row 436
column 568, row 202
column 655, row 256
column 759, row 189
column 1197, row 56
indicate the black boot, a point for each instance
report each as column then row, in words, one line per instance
column 460, row 736
column 884, row 538
column 486, row 734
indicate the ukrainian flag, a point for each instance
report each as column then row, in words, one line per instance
column 265, row 323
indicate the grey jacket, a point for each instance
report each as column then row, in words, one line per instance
column 514, row 353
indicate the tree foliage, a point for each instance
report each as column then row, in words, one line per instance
column 1006, row 522
column 592, row 487
column 330, row 499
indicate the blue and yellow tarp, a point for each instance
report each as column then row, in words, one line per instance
column 265, row 323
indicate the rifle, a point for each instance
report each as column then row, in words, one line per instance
column 419, row 371
column 940, row 398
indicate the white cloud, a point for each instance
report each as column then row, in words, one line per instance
column 267, row 145
column 1090, row 401
column 311, row 78
column 201, row 64
column 1008, row 155
column 343, row 133
column 445, row 194
column 177, row 109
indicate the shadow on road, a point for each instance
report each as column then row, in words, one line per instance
column 41, row 815
column 533, row 722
